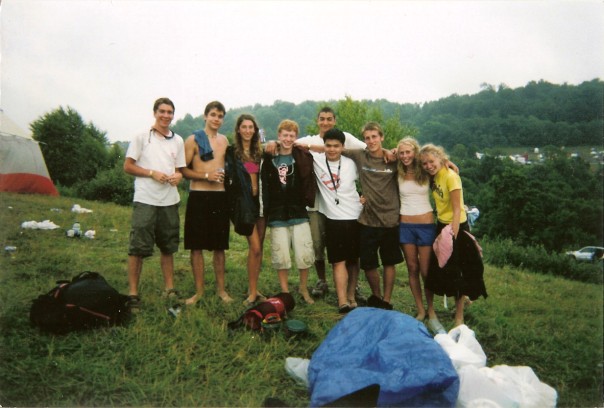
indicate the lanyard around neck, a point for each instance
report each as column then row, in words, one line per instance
column 333, row 182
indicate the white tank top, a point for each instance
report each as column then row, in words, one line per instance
column 415, row 198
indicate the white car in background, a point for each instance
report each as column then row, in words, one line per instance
column 587, row 254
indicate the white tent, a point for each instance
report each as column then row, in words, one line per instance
column 22, row 166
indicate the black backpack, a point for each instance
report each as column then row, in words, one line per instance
column 85, row 302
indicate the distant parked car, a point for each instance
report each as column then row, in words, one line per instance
column 587, row 254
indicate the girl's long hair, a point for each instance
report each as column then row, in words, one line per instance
column 421, row 177
column 255, row 153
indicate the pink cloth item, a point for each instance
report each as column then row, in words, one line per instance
column 443, row 245
column 251, row 167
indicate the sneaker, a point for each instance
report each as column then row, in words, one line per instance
column 320, row 288
column 435, row 326
column 134, row 303
column 374, row 301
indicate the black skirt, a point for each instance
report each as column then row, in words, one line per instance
column 463, row 273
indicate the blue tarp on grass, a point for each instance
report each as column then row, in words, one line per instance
column 375, row 346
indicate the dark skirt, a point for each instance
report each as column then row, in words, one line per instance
column 463, row 273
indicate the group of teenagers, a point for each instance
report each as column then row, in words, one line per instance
column 365, row 204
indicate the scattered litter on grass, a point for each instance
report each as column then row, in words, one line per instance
column 113, row 230
column 56, row 210
column 80, row 210
column 9, row 249
column 46, row 224
column 90, row 234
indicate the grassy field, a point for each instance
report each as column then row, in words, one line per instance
column 550, row 324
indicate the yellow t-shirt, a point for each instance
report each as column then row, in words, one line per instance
column 445, row 181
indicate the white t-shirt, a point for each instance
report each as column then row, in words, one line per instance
column 350, row 142
column 415, row 198
column 344, row 174
column 157, row 153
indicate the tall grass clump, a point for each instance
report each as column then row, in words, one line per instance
column 546, row 322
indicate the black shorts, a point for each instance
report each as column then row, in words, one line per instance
column 342, row 240
column 207, row 221
column 374, row 240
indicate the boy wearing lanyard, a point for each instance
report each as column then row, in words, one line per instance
column 338, row 200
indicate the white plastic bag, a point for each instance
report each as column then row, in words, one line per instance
column 503, row 386
column 462, row 347
column 297, row 368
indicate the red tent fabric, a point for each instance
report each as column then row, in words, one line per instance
column 22, row 166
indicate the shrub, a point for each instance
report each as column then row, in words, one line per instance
column 538, row 259
column 111, row 185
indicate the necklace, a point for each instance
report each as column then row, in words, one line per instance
column 168, row 136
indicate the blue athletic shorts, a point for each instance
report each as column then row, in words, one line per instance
column 417, row 234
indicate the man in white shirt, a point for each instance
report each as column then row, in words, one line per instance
column 156, row 158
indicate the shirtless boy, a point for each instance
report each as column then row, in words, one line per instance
column 207, row 218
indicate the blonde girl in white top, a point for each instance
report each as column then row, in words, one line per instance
column 417, row 230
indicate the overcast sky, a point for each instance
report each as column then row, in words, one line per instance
column 109, row 60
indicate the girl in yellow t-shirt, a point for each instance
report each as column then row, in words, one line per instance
column 462, row 274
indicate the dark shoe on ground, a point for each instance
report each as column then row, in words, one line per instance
column 345, row 308
column 374, row 301
column 320, row 288
column 380, row 303
column 134, row 303
column 386, row 305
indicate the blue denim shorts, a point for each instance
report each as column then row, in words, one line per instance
column 417, row 234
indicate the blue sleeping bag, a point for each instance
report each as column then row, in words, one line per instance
column 376, row 346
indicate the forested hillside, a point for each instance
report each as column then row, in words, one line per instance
column 536, row 115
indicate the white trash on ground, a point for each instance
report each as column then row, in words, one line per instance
column 80, row 210
column 297, row 368
column 501, row 386
column 90, row 234
column 462, row 347
column 46, row 224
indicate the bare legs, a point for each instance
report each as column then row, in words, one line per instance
column 345, row 277
column 373, row 278
column 135, row 268
column 254, row 262
column 197, row 265
column 459, row 306
column 283, row 274
column 418, row 261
